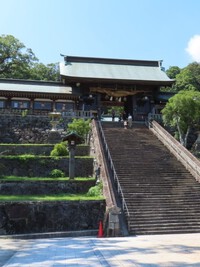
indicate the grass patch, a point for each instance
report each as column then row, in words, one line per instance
column 32, row 156
column 35, row 145
column 13, row 145
column 24, row 178
column 59, row 197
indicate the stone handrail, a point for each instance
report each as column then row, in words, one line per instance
column 191, row 163
column 116, row 180
column 97, row 152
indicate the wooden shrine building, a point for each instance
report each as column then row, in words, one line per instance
column 133, row 84
column 88, row 87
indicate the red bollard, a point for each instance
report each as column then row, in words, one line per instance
column 100, row 232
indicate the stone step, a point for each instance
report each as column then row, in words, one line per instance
column 139, row 180
column 139, row 204
column 140, row 213
column 171, row 212
column 161, row 195
column 131, row 170
column 169, row 200
column 156, row 184
column 164, row 217
column 175, row 186
column 159, row 190
column 166, row 225
column 163, row 231
column 162, row 182
column 161, row 220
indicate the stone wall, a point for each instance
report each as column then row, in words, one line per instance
column 41, row 167
column 45, row 187
column 17, row 129
column 43, row 217
column 38, row 149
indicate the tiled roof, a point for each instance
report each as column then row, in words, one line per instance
column 34, row 87
column 113, row 69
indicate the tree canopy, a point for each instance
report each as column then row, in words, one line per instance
column 80, row 126
column 49, row 72
column 182, row 111
column 15, row 59
column 19, row 62
column 187, row 78
column 173, row 71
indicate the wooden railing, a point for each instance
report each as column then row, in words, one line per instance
column 156, row 117
column 191, row 163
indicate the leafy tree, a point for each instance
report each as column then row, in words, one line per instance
column 173, row 71
column 188, row 78
column 182, row 111
column 80, row 126
column 19, row 62
column 118, row 110
column 15, row 59
column 49, row 72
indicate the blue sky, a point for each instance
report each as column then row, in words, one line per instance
column 167, row 30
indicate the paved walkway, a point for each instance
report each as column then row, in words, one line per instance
column 145, row 251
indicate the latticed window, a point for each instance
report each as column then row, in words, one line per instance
column 20, row 104
column 2, row 103
column 42, row 105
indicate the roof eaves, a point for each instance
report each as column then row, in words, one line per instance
column 155, row 63
column 94, row 79
column 33, row 82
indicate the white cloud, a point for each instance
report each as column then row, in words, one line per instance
column 193, row 48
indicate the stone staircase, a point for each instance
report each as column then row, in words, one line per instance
column 161, row 195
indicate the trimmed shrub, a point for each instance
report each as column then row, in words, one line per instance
column 96, row 190
column 56, row 173
column 60, row 150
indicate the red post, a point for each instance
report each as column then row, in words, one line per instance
column 100, row 232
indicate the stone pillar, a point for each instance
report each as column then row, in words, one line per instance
column 73, row 139
column 113, row 221
column 71, row 160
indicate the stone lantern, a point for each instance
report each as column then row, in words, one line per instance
column 73, row 139
column 55, row 116
column 54, row 135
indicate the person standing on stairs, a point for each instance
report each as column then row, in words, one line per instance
column 125, row 124
column 130, row 121
column 124, row 117
column 113, row 115
column 97, row 173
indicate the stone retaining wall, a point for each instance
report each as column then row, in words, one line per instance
column 41, row 167
column 43, row 217
column 44, row 187
column 38, row 149
column 17, row 129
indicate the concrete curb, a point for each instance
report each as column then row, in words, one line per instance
column 52, row 235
